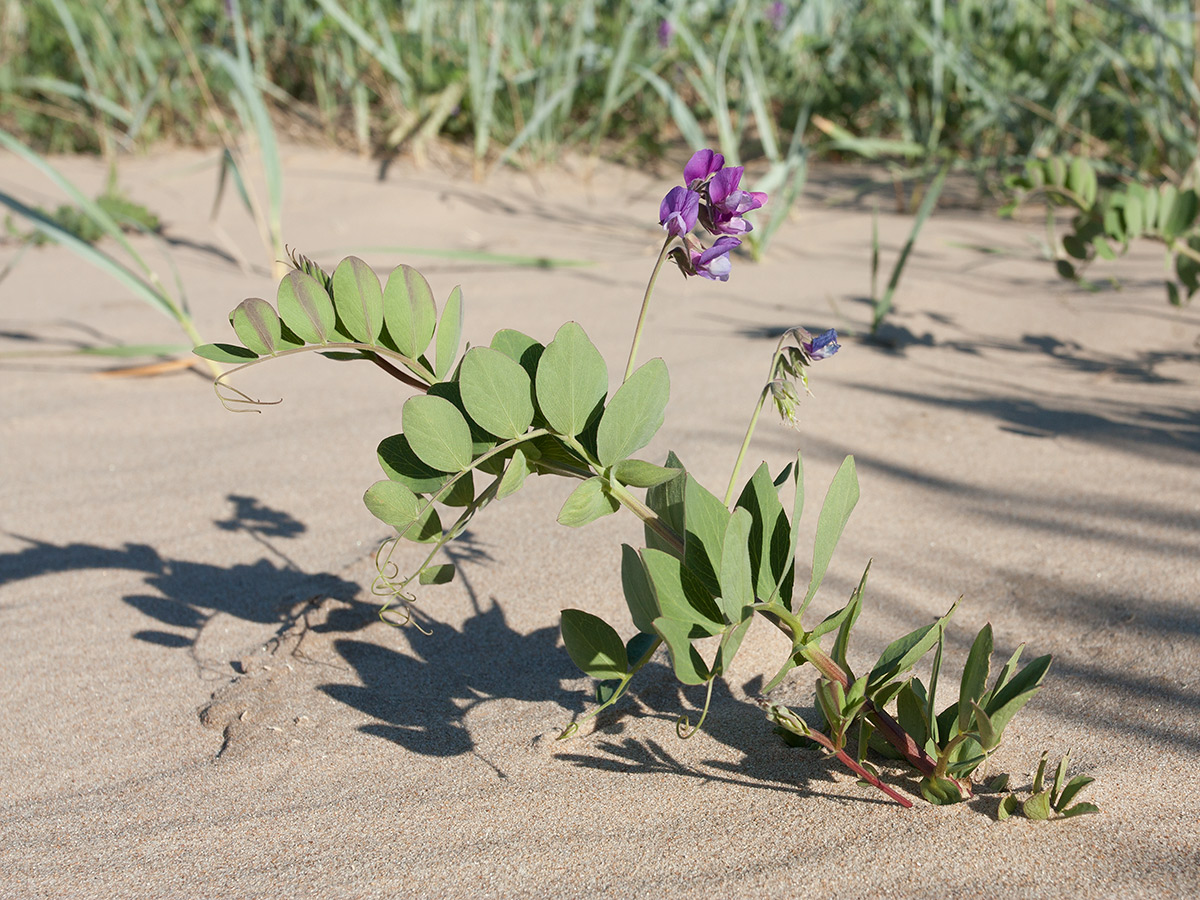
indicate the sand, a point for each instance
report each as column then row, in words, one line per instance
column 200, row 701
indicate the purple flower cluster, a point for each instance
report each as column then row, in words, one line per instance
column 711, row 196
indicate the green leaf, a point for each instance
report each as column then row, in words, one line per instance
column 705, row 521
column 572, row 381
column 1008, row 806
column 1060, row 778
column 689, row 665
column 1079, row 809
column 737, row 589
column 587, row 503
column 911, row 712
column 358, row 300
column 1072, row 789
column 903, row 653
column 1081, row 179
column 841, row 644
column 520, row 348
column 730, row 643
column 442, row 574
column 634, row 414
column 258, row 327
column 225, row 353
column 639, row 645
column 593, row 645
column 1008, row 701
column 437, row 432
column 449, row 334
column 400, row 463
column 1040, row 775
column 837, row 619
column 514, row 475
column 839, row 503
column 1181, row 215
column 642, row 474
column 988, row 737
column 639, row 593
column 305, row 308
column 680, row 595
column 409, row 311
column 974, row 677
column 770, row 532
column 496, row 392
column 1037, row 807
column 667, row 502
column 393, row 503
column 1133, row 212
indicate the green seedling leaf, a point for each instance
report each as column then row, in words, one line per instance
column 358, row 300
column 1060, row 778
column 1040, row 776
column 409, row 311
column 442, row 574
column 1008, row 806
column 705, row 521
column 688, row 664
column 437, row 432
column 258, row 327
column 639, row 593
column 737, row 589
column 400, row 463
column 514, row 475
column 305, row 308
column 634, row 414
column 989, row 738
column 449, row 334
column 900, row 655
column 680, row 594
column 770, row 533
column 666, row 500
column 587, row 503
column 394, row 504
column 225, row 353
column 1004, row 677
column 1079, row 809
column 941, row 791
column 1081, row 179
column 835, row 512
column 593, row 644
column 999, row 783
column 974, row 677
column 1072, row 789
column 1056, row 171
column 1037, row 807
column 642, row 474
column 910, row 712
column 572, row 381
column 1133, row 212
column 496, row 392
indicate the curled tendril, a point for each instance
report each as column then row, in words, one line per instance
column 683, row 723
column 242, row 398
column 568, row 732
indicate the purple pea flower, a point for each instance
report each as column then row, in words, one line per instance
column 822, row 346
column 679, row 211
column 728, row 203
column 702, row 165
column 777, row 13
column 665, row 30
column 714, row 263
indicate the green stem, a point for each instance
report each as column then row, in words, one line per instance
column 647, row 515
column 641, row 322
column 762, row 398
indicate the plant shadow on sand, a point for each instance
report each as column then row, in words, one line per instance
column 185, row 595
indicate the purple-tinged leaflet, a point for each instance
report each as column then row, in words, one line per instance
column 678, row 211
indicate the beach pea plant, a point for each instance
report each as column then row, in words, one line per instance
column 480, row 422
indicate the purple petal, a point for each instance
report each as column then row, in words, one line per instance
column 723, row 184
column 714, row 263
column 678, row 211
column 823, row 345
column 702, row 164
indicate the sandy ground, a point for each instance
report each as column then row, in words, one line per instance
column 200, row 701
